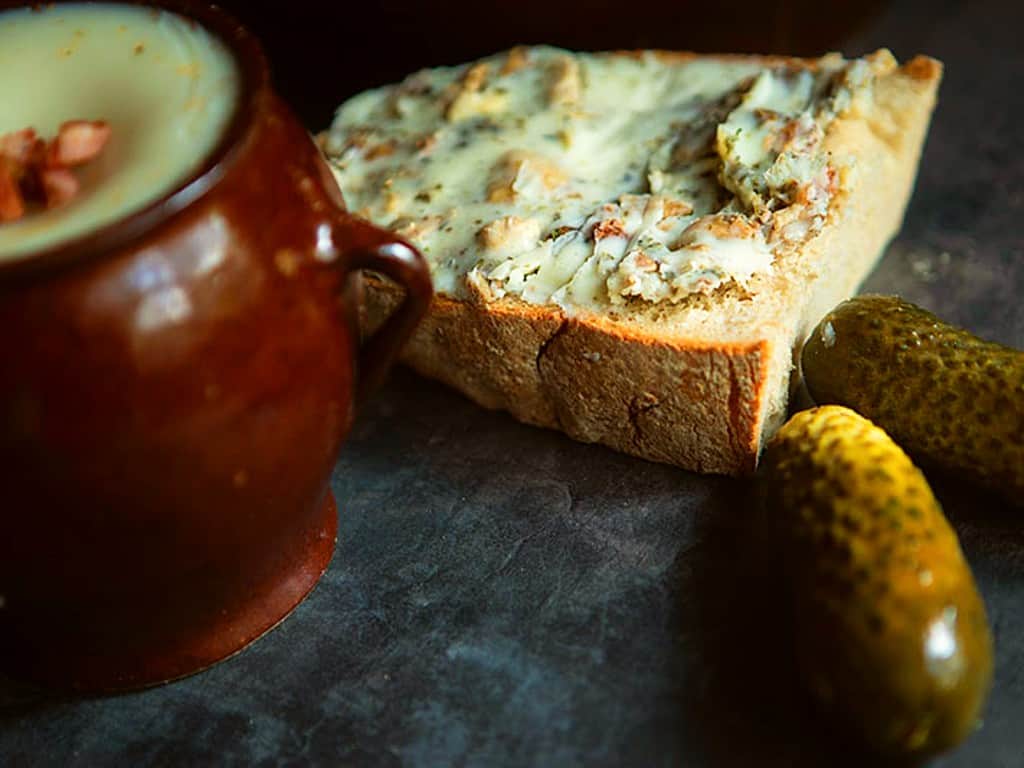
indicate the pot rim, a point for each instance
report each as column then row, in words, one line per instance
column 136, row 224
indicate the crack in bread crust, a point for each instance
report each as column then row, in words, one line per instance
column 542, row 350
column 637, row 408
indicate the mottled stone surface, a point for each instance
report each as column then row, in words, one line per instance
column 504, row 596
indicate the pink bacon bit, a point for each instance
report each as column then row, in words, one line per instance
column 20, row 147
column 59, row 186
column 39, row 172
column 12, row 204
column 77, row 142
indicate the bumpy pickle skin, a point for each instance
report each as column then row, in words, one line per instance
column 952, row 400
column 892, row 635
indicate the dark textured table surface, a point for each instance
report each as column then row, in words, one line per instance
column 501, row 595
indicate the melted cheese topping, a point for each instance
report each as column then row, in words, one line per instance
column 591, row 180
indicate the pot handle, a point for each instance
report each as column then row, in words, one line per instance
column 364, row 246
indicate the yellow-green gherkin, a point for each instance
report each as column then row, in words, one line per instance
column 950, row 399
column 893, row 638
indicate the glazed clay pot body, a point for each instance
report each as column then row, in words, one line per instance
column 173, row 396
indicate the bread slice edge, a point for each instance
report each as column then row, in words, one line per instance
column 698, row 403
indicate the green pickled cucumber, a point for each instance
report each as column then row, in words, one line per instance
column 950, row 399
column 892, row 636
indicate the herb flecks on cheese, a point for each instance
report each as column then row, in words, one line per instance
column 592, row 180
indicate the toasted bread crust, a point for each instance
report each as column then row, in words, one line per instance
column 702, row 406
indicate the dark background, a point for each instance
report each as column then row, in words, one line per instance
column 501, row 595
column 324, row 51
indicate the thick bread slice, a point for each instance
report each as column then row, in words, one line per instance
column 702, row 384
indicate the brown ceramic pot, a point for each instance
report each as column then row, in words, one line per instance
column 174, row 390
